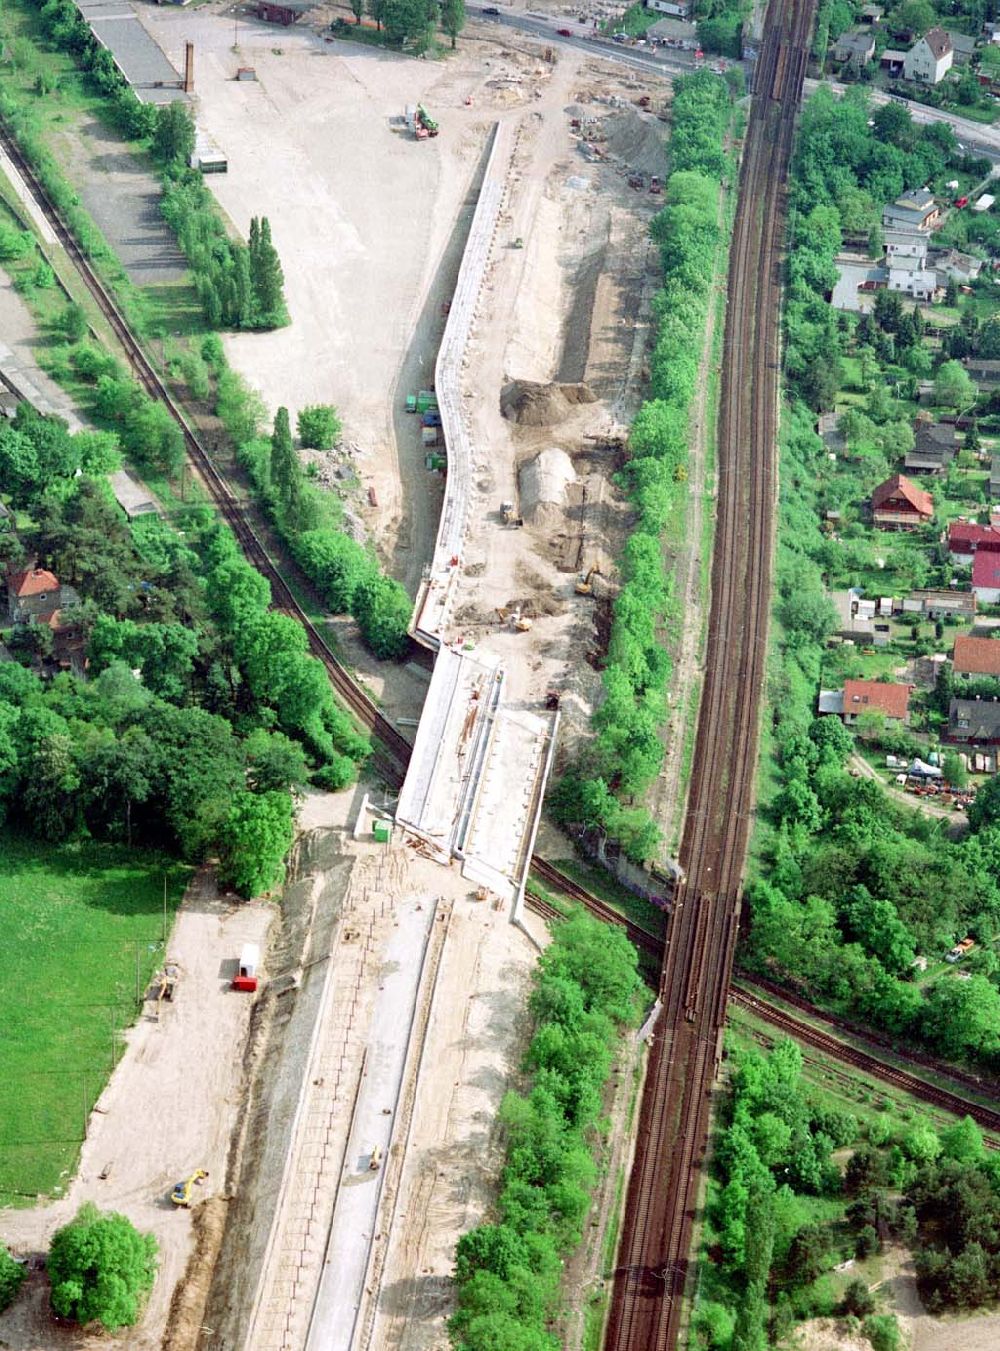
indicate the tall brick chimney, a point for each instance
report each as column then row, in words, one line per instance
column 189, row 67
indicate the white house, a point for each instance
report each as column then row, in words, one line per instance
column 919, row 284
column 930, row 57
column 680, row 9
column 905, row 248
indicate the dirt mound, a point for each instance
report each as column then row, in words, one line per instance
column 530, row 404
column 637, row 139
column 187, row 1311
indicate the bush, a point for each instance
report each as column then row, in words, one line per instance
column 882, row 1331
column 319, row 426
column 11, row 1276
column 14, row 243
column 101, row 1269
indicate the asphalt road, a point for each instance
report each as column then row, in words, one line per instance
column 657, row 61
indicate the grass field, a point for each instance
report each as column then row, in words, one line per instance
column 76, row 919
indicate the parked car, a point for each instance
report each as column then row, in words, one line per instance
column 564, row 32
column 492, row 11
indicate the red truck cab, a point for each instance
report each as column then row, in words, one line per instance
column 959, row 202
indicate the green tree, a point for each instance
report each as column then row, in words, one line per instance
column 984, row 810
column 383, row 609
column 953, row 386
column 286, row 472
column 319, row 426
column 173, row 140
column 256, row 836
column 453, row 18
column 357, row 9
column 405, row 20
column 101, row 1268
column 954, row 770
column 916, row 16
column 266, row 275
column 73, row 322
column 11, row 1275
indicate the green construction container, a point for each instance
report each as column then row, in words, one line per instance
column 436, row 461
column 382, row 831
column 425, row 401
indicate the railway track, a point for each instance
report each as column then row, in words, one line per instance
column 548, row 873
column 392, row 754
column 647, row 1301
column 832, row 1046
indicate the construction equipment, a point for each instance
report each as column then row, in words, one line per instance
column 426, row 122
column 583, row 586
column 519, row 622
column 164, row 986
column 424, row 401
column 506, row 512
column 517, row 243
column 655, row 186
column 246, row 971
column 375, row 1162
column 183, row 1192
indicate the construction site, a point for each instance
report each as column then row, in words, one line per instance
column 476, row 228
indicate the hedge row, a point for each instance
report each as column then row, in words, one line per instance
column 509, row 1272
column 345, row 573
column 626, row 755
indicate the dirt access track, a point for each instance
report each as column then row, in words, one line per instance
column 169, row 1108
column 371, row 225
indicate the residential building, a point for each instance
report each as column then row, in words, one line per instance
column 876, row 696
column 921, row 285
column 855, row 615
column 986, row 577
column 975, row 722
column 965, row 538
column 871, row 14
column 284, row 12
column 930, row 58
column 962, row 266
column 995, row 477
column 985, row 373
column 916, row 210
column 963, row 47
column 941, row 604
column 32, row 594
column 854, row 48
column 976, row 656
column 906, row 248
column 680, row 9
column 933, row 449
column 898, row 504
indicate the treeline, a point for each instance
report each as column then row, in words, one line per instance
column 509, row 1271
column 239, row 286
column 625, row 756
column 776, row 1239
column 854, row 887
column 720, row 25
column 346, row 574
column 202, row 710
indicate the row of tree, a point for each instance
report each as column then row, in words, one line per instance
column 509, row 1271
column 598, row 794
column 346, row 573
column 412, row 21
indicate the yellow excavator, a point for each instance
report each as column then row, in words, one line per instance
column 583, row 586
column 183, row 1191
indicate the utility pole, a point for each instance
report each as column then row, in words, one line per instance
column 164, row 911
column 138, row 1001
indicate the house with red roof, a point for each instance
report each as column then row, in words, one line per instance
column 976, row 656
column 876, row 696
column 31, row 594
column 898, row 504
column 966, row 538
column 986, row 577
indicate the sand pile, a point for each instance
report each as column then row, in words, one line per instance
column 637, row 139
column 535, row 405
column 543, row 482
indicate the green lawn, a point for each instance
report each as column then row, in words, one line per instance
column 75, row 917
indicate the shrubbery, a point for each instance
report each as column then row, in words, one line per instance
column 11, row 1275
column 627, row 753
column 346, row 574
column 101, row 1269
column 508, row 1272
